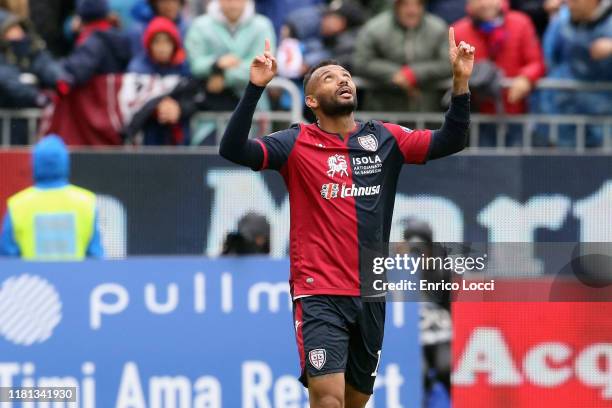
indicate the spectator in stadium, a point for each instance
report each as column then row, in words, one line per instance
column 540, row 11
column 221, row 45
column 26, row 67
column 449, row 10
column 304, row 25
column 52, row 220
column 374, row 7
column 164, row 53
column 405, row 48
column 290, row 55
column 252, row 237
column 165, row 119
column 101, row 48
column 339, row 27
column 578, row 46
column 329, row 33
column 278, row 10
column 48, row 17
column 146, row 10
column 508, row 39
column 123, row 10
column 19, row 7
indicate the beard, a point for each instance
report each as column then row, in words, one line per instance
column 332, row 106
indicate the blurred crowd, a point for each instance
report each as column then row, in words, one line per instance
column 398, row 49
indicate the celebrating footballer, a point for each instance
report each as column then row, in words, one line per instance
column 341, row 175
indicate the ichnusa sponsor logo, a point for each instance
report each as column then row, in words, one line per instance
column 333, row 190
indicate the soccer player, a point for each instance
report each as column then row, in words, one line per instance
column 341, row 175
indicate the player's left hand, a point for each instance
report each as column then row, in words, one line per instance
column 461, row 57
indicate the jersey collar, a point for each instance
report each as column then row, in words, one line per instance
column 358, row 128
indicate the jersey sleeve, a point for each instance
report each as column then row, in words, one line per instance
column 277, row 147
column 414, row 144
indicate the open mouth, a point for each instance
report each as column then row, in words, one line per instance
column 345, row 92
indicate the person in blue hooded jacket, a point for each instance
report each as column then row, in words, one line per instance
column 52, row 220
column 578, row 46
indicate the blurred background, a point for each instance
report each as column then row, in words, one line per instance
column 181, row 297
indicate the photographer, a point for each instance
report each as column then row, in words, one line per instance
column 252, row 237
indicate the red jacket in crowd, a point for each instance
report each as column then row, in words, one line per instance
column 514, row 47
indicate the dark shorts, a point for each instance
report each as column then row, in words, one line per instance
column 340, row 334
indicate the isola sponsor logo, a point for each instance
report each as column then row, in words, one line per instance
column 365, row 160
column 335, row 190
column 365, row 165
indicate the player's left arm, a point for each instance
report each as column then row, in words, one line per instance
column 452, row 136
column 418, row 146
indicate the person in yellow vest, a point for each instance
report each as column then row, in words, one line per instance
column 52, row 220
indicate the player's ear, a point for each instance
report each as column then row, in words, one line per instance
column 312, row 102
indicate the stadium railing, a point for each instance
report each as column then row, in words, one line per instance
column 526, row 122
column 7, row 116
column 293, row 115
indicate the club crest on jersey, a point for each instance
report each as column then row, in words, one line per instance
column 368, row 142
column 337, row 165
column 317, row 358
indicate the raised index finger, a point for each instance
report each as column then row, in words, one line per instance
column 451, row 37
column 267, row 46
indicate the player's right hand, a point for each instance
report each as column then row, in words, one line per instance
column 263, row 67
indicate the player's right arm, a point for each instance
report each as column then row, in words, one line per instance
column 269, row 151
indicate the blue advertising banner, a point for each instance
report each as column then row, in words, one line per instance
column 173, row 333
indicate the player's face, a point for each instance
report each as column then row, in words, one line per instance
column 334, row 92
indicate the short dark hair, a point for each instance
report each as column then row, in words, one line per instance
column 312, row 69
